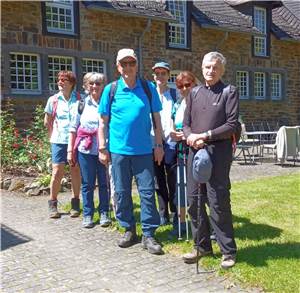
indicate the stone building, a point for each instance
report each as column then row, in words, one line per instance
column 261, row 40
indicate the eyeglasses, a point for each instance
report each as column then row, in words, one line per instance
column 130, row 63
column 63, row 80
column 98, row 83
column 186, row 85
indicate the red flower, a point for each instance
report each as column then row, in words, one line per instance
column 16, row 146
column 16, row 132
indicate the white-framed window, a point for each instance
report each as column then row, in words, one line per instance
column 25, row 72
column 260, row 22
column 178, row 31
column 93, row 65
column 276, row 86
column 56, row 64
column 60, row 16
column 242, row 82
column 172, row 78
column 259, row 85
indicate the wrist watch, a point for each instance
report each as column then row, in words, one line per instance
column 207, row 134
column 158, row 145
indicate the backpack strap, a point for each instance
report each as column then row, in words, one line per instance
column 149, row 95
column 54, row 106
column 173, row 95
column 226, row 91
column 237, row 134
column 112, row 92
column 81, row 104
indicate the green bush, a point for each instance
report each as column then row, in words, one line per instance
column 27, row 147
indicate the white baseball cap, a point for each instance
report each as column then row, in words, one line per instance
column 123, row 53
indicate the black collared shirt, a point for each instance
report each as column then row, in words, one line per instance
column 209, row 109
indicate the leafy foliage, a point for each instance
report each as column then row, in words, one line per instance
column 26, row 147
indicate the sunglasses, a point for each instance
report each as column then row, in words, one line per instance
column 98, row 83
column 186, row 85
column 130, row 63
column 63, row 80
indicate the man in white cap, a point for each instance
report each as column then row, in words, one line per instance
column 129, row 147
column 211, row 118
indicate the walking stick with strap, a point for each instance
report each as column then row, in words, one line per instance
column 178, row 191
column 198, row 231
column 185, row 193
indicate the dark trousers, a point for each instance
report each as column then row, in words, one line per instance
column 165, row 176
column 216, row 195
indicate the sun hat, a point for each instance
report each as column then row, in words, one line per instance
column 161, row 64
column 123, row 53
column 202, row 166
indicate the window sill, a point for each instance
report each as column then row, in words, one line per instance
column 62, row 34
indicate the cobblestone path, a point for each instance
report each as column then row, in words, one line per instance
column 44, row 255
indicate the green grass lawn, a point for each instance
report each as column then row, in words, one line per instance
column 267, row 230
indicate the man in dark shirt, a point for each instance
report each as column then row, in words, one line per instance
column 210, row 121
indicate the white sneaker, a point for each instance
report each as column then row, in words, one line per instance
column 228, row 261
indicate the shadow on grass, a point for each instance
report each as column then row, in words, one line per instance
column 247, row 230
column 259, row 256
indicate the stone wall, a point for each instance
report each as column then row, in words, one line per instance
column 103, row 33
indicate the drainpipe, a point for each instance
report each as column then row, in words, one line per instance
column 222, row 41
column 140, row 39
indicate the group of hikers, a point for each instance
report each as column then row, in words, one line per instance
column 175, row 142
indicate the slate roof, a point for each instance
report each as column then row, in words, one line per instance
column 225, row 15
column 220, row 15
column 216, row 14
column 286, row 21
column 149, row 9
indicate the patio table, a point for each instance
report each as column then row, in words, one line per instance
column 259, row 135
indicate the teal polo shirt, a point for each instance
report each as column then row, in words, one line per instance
column 130, row 121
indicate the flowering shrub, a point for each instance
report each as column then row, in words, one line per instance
column 27, row 147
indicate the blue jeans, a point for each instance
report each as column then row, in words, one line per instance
column 124, row 168
column 90, row 168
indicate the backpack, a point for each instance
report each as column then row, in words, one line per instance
column 81, row 104
column 237, row 134
column 146, row 89
column 173, row 95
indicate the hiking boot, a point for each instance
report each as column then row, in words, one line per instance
column 191, row 257
column 75, row 208
column 228, row 261
column 151, row 245
column 52, row 207
column 128, row 239
column 87, row 222
column 104, row 219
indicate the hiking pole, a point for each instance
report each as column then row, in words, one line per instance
column 198, row 232
column 178, row 194
column 108, row 189
column 185, row 196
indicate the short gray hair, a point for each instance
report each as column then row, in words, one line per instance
column 85, row 80
column 97, row 77
column 214, row 56
column 92, row 76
